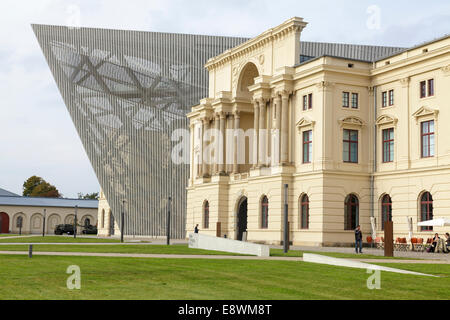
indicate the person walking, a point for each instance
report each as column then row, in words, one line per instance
column 196, row 229
column 358, row 239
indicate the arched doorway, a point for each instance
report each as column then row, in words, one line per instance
column 4, row 222
column 241, row 218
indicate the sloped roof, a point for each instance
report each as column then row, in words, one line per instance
column 4, row 192
column 349, row 51
column 47, row 202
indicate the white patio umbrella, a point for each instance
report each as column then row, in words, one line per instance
column 410, row 228
column 441, row 222
column 373, row 224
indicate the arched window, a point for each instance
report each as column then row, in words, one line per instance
column 206, row 215
column 264, row 213
column 87, row 222
column 19, row 222
column 386, row 210
column 426, row 210
column 304, row 212
column 351, row 218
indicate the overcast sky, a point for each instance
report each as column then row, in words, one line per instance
column 37, row 136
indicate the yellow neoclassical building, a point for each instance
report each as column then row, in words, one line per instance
column 352, row 139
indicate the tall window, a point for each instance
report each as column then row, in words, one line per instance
column 427, row 88
column 264, row 213
column 307, row 101
column 350, row 153
column 307, row 146
column 426, row 209
column 386, row 210
column 206, row 215
column 427, row 138
column 345, row 99
column 388, row 145
column 384, row 99
column 391, row 97
column 351, row 218
column 355, row 102
column 304, row 212
column 19, row 222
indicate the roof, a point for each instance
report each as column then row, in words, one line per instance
column 47, row 202
column 367, row 53
column 4, row 192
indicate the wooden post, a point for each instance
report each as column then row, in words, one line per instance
column 218, row 231
column 388, row 239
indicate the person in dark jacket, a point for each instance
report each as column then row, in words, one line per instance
column 447, row 242
column 358, row 239
column 196, row 229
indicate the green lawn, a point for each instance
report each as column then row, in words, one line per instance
column 5, row 235
column 44, row 277
column 56, row 239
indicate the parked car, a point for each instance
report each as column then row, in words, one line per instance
column 64, row 228
column 90, row 230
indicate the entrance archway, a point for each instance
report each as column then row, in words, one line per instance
column 4, row 222
column 241, row 218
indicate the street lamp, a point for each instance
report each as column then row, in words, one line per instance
column 122, row 218
column 168, row 221
column 286, row 222
column 75, row 223
column 43, row 225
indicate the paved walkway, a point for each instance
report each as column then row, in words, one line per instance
column 213, row 257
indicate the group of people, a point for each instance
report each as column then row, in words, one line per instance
column 439, row 245
column 436, row 245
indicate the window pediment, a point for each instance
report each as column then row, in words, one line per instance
column 352, row 121
column 305, row 122
column 424, row 112
column 386, row 119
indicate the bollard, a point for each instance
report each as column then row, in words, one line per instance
column 30, row 251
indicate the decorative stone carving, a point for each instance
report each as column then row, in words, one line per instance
column 351, row 121
column 425, row 111
column 386, row 119
column 446, row 70
column 405, row 81
column 305, row 122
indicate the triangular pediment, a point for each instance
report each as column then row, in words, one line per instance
column 354, row 121
column 386, row 119
column 305, row 122
column 425, row 111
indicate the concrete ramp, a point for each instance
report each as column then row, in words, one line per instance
column 201, row 241
column 316, row 258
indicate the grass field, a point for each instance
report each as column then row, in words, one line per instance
column 57, row 239
column 44, row 277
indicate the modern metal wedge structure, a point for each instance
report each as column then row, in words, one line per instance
column 127, row 92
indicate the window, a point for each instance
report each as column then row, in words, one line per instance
column 304, row 212
column 351, row 218
column 307, row 146
column 427, row 134
column 384, row 99
column 431, row 87
column 345, row 99
column 206, row 215
column 426, row 210
column 355, row 103
column 423, row 89
column 19, row 222
column 427, row 88
column 264, row 213
column 386, row 210
column 350, row 153
column 388, row 145
column 391, row 97
column 307, row 101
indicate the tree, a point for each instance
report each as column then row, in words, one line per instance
column 88, row 196
column 37, row 187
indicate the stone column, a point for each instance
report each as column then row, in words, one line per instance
column 221, row 147
column 284, row 127
column 216, row 143
column 229, row 144
column 192, row 155
column 205, row 172
column 255, row 133
column 237, row 142
column 262, row 135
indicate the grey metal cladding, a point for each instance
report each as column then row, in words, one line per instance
column 126, row 92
